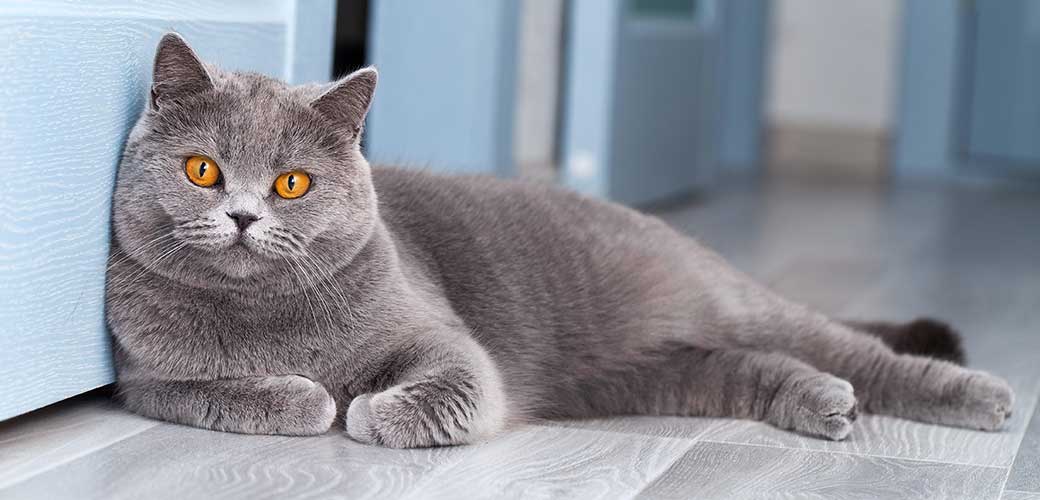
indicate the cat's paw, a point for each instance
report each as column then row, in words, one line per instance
column 978, row 400
column 420, row 414
column 360, row 426
column 826, row 407
column 303, row 408
column 388, row 419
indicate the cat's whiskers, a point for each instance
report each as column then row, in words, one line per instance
column 147, row 267
column 147, row 245
column 303, row 288
column 317, row 293
column 200, row 223
column 332, row 287
column 285, row 239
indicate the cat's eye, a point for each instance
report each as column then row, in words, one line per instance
column 292, row 184
column 202, row 171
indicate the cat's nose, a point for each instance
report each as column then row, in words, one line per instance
column 242, row 219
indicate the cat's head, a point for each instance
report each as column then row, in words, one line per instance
column 232, row 179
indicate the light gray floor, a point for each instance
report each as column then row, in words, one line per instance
column 968, row 255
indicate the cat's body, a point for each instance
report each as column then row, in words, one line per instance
column 444, row 308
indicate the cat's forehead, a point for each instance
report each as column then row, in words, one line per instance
column 250, row 120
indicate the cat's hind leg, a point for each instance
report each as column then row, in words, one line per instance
column 886, row 382
column 683, row 380
column 921, row 337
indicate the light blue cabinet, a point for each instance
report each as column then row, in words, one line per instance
column 654, row 88
column 73, row 77
column 969, row 104
column 447, row 74
column 1004, row 98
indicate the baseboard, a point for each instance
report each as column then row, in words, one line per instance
column 824, row 151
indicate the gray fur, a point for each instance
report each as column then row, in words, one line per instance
column 432, row 310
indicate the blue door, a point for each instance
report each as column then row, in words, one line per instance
column 1004, row 99
column 446, row 86
column 641, row 97
column 74, row 77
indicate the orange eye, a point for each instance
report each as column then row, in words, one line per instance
column 292, row 184
column 202, row 171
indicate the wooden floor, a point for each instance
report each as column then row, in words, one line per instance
column 968, row 255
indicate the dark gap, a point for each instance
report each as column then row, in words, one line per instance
column 350, row 50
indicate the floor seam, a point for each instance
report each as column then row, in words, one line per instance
column 1014, row 457
column 1031, row 492
column 703, row 436
column 651, row 479
column 667, row 467
column 853, row 454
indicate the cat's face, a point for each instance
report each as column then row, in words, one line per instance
column 234, row 179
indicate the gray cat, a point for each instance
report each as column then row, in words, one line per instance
column 264, row 279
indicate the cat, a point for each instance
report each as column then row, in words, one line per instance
column 265, row 279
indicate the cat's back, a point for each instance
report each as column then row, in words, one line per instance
column 506, row 251
column 488, row 205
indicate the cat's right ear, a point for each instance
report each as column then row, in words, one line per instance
column 178, row 72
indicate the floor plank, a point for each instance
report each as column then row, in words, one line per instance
column 58, row 434
column 1020, row 495
column 668, row 427
column 555, row 462
column 721, row 471
column 177, row 462
column 1025, row 473
column 172, row 461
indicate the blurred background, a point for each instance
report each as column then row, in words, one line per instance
column 648, row 100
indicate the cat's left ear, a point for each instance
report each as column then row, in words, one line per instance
column 346, row 103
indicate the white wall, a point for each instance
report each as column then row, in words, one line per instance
column 832, row 63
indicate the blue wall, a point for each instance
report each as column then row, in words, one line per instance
column 75, row 77
column 446, row 90
column 745, row 32
column 924, row 145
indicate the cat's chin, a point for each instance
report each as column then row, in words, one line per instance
column 239, row 262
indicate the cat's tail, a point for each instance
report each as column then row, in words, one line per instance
column 922, row 336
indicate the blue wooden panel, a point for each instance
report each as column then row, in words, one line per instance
column 446, row 85
column 744, row 31
column 925, row 115
column 588, row 95
column 641, row 119
column 312, row 30
column 74, row 81
column 665, row 124
column 1005, row 89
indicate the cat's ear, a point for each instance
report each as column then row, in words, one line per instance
column 178, row 72
column 346, row 103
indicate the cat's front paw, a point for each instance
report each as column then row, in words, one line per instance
column 303, row 407
column 826, row 407
column 387, row 419
column 360, row 425
column 418, row 415
column 978, row 400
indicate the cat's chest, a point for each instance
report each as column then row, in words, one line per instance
column 201, row 334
